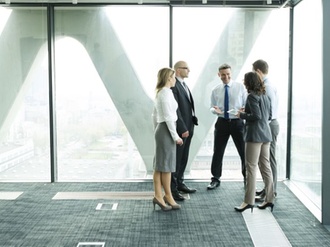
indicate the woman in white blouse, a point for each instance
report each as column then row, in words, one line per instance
column 166, row 138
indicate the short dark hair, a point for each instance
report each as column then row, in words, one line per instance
column 262, row 65
column 224, row 66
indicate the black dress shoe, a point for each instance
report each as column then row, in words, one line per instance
column 260, row 193
column 242, row 209
column 184, row 188
column 177, row 196
column 259, row 198
column 213, row 184
column 266, row 205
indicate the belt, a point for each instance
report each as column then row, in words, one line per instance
column 229, row 119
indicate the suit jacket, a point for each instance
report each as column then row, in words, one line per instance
column 257, row 114
column 186, row 119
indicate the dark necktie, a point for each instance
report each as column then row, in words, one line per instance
column 226, row 102
column 186, row 89
column 188, row 93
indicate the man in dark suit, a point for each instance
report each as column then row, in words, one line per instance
column 185, row 128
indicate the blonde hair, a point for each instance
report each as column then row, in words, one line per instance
column 162, row 77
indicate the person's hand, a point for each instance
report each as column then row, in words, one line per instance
column 239, row 112
column 179, row 142
column 185, row 134
column 217, row 110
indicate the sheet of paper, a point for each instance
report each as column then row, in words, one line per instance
column 233, row 111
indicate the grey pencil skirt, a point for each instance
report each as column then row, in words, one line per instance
column 165, row 153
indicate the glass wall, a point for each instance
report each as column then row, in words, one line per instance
column 106, row 69
column 24, row 115
column 106, row 72
column 306, row 106
column 237, row 37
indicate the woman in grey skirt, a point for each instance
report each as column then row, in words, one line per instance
column 166, row 138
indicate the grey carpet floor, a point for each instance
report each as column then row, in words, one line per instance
column 208, row 218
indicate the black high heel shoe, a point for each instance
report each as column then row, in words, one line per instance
column 241, row 209
column 175, row 206
column 163, row 207
column 266, row 205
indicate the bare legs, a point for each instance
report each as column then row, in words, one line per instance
column 162, row 180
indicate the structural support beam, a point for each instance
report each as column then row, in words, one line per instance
column 326, row 116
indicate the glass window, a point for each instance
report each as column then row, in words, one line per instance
column 306, row 137
column 24, row 115
column 106, row 72
column 237, row 37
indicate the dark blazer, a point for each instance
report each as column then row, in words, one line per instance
column 257, row 115
column 186, row 119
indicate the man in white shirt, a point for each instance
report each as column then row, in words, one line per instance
column 227, row 124
column 261, row 67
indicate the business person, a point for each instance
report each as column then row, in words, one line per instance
column 257, row 137
column 185, row 128
column 261, row 67
column 166, row 139
column 227, row 124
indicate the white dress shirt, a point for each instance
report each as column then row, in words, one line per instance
column 237, row 97
column 184, row 85
column 165, row 111
column 271, row 91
